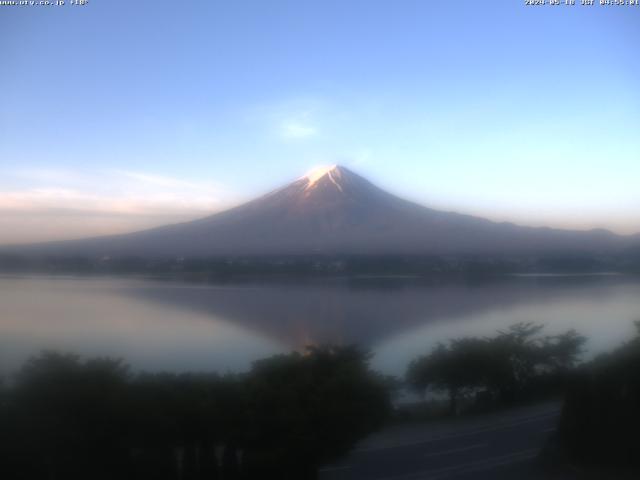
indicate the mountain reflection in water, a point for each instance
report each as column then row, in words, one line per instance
column 175, row 326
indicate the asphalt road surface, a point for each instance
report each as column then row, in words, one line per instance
column 496, row 446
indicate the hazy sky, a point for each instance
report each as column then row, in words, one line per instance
column 120, row 115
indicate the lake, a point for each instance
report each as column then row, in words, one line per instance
column 176, row 326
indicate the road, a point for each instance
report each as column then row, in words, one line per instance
column 496, row 446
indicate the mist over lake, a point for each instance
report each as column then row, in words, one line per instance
column 179, row 326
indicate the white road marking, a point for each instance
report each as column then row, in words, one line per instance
column 458, row 435
column 456, row 450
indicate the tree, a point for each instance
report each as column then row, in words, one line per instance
column 457, row 368
column 561, row 353
column 600, row 417
column 507, row 366
column 307, row 409
column 69, row 418
column 69, row 414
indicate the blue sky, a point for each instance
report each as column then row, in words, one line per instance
column 121, row 115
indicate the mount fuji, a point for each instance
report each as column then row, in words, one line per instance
column 335, row 211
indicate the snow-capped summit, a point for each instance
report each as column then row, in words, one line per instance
column 333, row 175
column 333, row 210
column 317, row 173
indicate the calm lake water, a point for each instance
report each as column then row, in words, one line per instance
column 162, row 325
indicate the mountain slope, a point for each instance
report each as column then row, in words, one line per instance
column 335, row 211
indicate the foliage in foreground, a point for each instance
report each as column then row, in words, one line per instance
column 514, row 365
column 65, row 418
column 601, row 416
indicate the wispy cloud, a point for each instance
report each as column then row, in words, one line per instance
column 164, row 181
column 298, row 130
column 61, row 202
column 57, row 199
column 290, row 119
column 359, row 157
column 298, row 122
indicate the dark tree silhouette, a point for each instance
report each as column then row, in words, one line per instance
column 68, row 418
column 313, row 407
column 456, row 368
column 508, row 367
column 601, row 416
